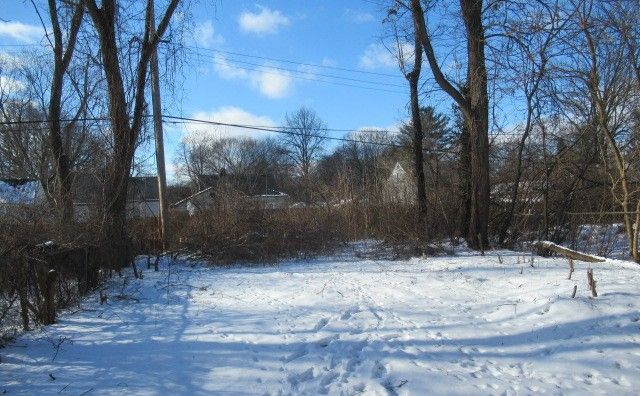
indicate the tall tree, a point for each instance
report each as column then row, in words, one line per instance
column 413, row 77
column 607, row 75
column 531, row 36
column 126, row 118
column 306, row 133
column 474, row 103
column 61, row 60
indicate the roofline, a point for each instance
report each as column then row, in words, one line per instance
column 190, row 197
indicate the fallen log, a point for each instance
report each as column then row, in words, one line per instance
column 569, row 253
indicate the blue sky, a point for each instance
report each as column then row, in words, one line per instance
column 238, row 70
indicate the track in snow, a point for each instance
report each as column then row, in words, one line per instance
column 448, row 325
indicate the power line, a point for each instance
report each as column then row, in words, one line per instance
column 281, row 130
column 221, row 61
column 187, row 120
column 289, row 61
column 196, row 121
column 292, row 133
column 275, row 72
column 345, row 69
column 266, row 58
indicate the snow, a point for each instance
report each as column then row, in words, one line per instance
column 19, row 192
column 461, row 324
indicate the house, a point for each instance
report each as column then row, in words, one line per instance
column 399, row 186
column 19, row 194
column 142, row 196
column 227, row 190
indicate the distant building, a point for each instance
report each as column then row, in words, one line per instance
column 142, row 196
column 227, row 190
column 400, row 186
column 20, row 193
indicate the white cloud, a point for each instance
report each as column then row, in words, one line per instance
column 21, row 32
column 9, row 62
column 329, row 62
column 264, row 22
column 268, row 80
column 227, row 115
column 358, row 16
column 273, row 83
column 9, row 85
column 226, row 70
column 204, row 34
column 376, row 56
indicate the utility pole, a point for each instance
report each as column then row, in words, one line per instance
column 157, row 127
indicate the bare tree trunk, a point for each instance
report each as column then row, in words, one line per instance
column 418, row 136
column 125, row 127
column 479, row 122
column 62, row 58
column 475, row 107
column 464, row 166
column 546, row 182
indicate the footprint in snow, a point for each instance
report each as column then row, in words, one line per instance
column 350, row 312
column 296, row 379
column 379, row 370
column 295, row 355
column 321, row 323
column 324, row 342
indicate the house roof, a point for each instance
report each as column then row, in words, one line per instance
column 143, row 188
column 89, row 188
column 190, row 197
column 19, row 191
column 249, row 184
column 398, row 172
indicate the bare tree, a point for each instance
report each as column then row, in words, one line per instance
column 235, row 156
column 25, row 144
column 61, row 61
column 126, row 116
column 474, row 104
column 305, row 136
column 412, row 75
column 531, row 36
column 606, row 73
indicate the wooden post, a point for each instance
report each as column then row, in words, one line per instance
column 575, row 289
column 48, row 310
column 24, row 312
column 571, row 267
column 157, row 127
column 592, row 282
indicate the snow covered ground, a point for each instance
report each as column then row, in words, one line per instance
column 461, row 324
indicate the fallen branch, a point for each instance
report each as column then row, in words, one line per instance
column 569, row 253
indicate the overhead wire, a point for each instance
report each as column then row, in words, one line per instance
column 283, row 71
column 290, row 131
column 171, row 119
column 307, row 72
column 265, row 69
